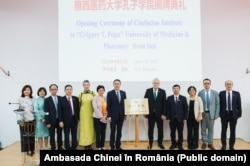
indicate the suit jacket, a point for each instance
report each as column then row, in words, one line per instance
column 236, row 104
column 198, row 105
column 179, row 110
column 66, row 110
column 50, row 110
column 157, row 106
column 214, row 102
column 115, row 109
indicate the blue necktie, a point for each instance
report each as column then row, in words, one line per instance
column 207, row 100
column 229, row 102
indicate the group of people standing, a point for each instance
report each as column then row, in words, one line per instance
column 194, row 109
column 56, row 114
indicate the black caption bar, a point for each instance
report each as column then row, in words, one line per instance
column 107, row 157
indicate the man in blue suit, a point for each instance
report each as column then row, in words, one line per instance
column 230, row 111
column 116, row 115
column 211, row 105
column 53, row 116
column 70, row 116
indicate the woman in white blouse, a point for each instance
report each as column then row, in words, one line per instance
column 100, row 117
column 26, row 102
column 195, row 110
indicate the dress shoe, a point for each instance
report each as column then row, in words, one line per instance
column 112, row 148
column 190, row 147
column 223, row 148
column 119, row 148
column 30, row 153
column 210, row 146
column 161, row 146
column 150, row 145
column 172, row 147
column 60, row 148
column 195, row 147
column 203, row 146
column 231, row 148
column 88, row 147
column 180, row 147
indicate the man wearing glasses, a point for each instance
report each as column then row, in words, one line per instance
column 52, row 116
column 211, row 104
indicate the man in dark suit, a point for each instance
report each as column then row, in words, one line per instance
column 116, row 115
column 177, row 111
column 70, row 116
column 230, row 111
column 157, row 105
column 53, row 116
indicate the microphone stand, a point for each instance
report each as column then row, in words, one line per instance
column 20, row 122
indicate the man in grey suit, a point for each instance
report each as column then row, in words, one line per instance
column 211, row 106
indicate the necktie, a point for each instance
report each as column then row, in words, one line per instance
column 207, row 100
column 176, row 99
column 154, row 93
column 118, row 96
column 229, row 102
column 70, row 106
column 55, row 102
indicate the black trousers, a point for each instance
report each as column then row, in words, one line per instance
column 100, row 132
column 193, row 133
column 71, row 129
column 27, row 138
column 116, row 127
column 151, row 125
column 58, row 130
column 174, row 124
column 224, row 124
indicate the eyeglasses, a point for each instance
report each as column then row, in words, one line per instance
column 206, row 83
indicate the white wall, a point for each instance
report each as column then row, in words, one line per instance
column 28, row 49
column 226, row 51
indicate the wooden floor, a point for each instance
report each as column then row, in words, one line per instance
column 12, row 155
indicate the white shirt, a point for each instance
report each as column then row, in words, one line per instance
column 55, row 99
column 71, row 103
column 176, row 98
